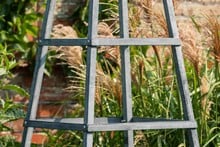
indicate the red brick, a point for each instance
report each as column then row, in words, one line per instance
column 16, row 125
column 50, row 110
column 55, row 80
column 54, row 97
column 27, row 81
column 18, row 136
column 39, row 138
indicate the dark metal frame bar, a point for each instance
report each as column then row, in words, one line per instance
column 111, row 124
column 125, row 72
column 91, row 73
column 180, row 72
column 38, row 74
column 110, row 41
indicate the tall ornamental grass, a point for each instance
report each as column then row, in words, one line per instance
column 154, row 87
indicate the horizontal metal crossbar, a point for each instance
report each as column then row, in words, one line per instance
column 111, row 42
column 136, row 41
column 142, row 126
column 64, row 42
column 56, row 124
column 110, row 124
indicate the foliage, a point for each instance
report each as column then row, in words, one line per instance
column 60, row 138
column 9, row 110
column 17, row 28
column 8, row 141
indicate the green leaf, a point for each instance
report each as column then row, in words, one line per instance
column 211, row 139
column 2, row 19
column 11, row 114
column 16, row 89
column 197, row 26
column 12, row 64
column 30, row 29
column 3, row 71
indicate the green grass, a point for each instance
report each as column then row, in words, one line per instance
column 155, row 91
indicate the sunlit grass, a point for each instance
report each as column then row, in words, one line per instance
column 154, row 87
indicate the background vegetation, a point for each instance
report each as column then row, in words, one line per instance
column 17, row 48
column 154, row 86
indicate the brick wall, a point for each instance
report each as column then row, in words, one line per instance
column 66, row 8
column 54, row 100
column 52, row 91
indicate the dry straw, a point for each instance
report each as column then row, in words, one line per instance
column 71, row 54
column 191, row 48
column 212, row 26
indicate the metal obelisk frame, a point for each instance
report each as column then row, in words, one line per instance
column 127, row 123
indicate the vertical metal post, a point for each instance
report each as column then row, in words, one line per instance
column 38, row 73
column 125, row 71
column 180, row 71
column 91, row 72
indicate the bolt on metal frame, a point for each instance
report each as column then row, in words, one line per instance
column 90, row 124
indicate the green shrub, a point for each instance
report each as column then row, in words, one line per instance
column 9, row 110
column 18, row 27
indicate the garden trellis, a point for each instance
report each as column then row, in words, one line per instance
column 127, row 123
